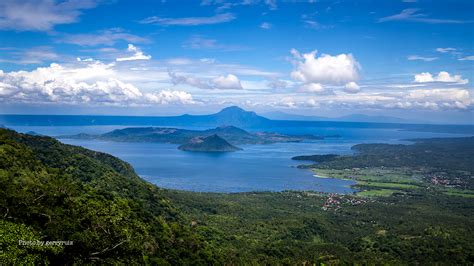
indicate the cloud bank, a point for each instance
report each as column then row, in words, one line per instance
column 95, row 83
column 442, row 76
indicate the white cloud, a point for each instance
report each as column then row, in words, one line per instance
column 271, row 4
column 277, row 84
column 179, row 61
column 106, row 37
column 326, row 69
column 266, row 26
column 418, row 99
column 352, row 87
column 441, row 98
column 137, row 54
column 467, row 58
column 40, row 15
column 313, row 24
column 412, row 15
column 189, row 80
column 91, row 83
column 222, row 82
column 445, row 50
column 224, row 5
column 34, row 55
column 190, row 21
column 442, row 76
column 200, row 42
column 426, row 59
column 229, row 82
column 312, row 88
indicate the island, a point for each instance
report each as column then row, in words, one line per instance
column 212, row 143
column 232, row 134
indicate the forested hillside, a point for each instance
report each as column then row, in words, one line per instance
column 56, row 192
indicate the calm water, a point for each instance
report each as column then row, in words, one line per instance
column 256, row 168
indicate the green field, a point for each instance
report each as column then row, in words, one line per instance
column 386, row 185
column 376, row 174
column 460, row 193
column 377, row 193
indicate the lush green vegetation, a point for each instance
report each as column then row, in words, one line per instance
column 234, row 135
column 446, row 162
column 423, row 227
column 56, row 192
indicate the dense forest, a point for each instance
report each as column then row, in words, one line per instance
column 57, row 192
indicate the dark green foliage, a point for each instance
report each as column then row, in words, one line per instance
column 233, row 135
column 316, row 158
column 212, row 143
column 273, row 228
column 451, row 154
column 452, row 158
column 56, row 192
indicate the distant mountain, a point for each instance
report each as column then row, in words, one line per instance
column 277, row 115
column 347, row 118
column 373, row 119
column 234, row 135
column 233, row 115
column 212, row 143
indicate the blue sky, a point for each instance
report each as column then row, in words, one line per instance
column 411, row 59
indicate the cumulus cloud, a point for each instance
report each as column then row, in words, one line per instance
column 137, row 54
column 316, row 72
column 94, row 83
column 442, row 76
column 229, row 82
column 441, row 98
column 189, row 80
column 419, row 99
column 422, row 58
column 105, row 37
column 312, row 88
column 189, row 21
column 223, row 82
column 40, row 15
column 352, row 87
column 325, row 69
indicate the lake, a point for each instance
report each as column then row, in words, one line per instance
column 256, row 168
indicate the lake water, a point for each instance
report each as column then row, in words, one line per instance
column 256, row 168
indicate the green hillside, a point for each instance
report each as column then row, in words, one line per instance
column 56, row 192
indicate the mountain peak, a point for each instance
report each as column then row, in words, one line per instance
column 212, row 143
column 234, row 109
